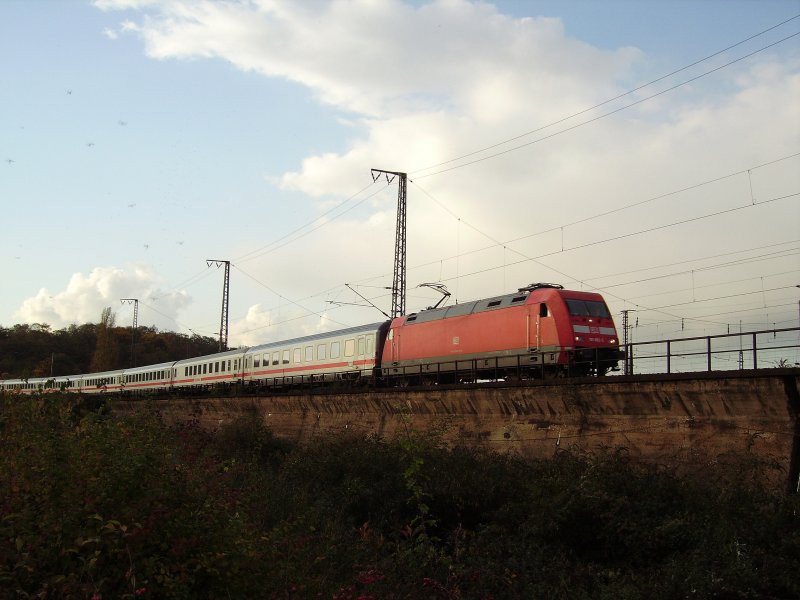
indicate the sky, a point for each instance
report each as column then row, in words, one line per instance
column 649, row 151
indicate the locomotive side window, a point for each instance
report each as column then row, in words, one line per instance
column 543, row 310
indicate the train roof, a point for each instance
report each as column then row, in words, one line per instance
column 318, row 336
column 483, row 305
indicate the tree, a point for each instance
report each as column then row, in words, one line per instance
column 105, row 353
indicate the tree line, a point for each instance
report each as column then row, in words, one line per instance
column 37, row 350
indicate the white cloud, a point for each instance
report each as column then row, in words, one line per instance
column 424, row 84
column 85, row 296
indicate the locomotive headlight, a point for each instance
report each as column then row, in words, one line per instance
column 578, row 338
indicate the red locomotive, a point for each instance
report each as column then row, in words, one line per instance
column 542, row 329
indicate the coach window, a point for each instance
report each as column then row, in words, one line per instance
column 204, row 368
column 322, row 352
column 298, row 356
column 257, row 361
column 370, row 346
column 285, row 357
column 229, row 366
column 276, row 357
column 543, row 310
column 361, row 346
column 335, row 349
column 349, row 347
column 309, row 353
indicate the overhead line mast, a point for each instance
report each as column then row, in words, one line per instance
column 399, row 277
column 223, row 325
column 135, row 302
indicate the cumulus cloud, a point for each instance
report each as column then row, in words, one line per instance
column 86, row 295
column 261, row 325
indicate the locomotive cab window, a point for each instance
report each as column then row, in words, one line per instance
column 543, row 312
column 588, row 308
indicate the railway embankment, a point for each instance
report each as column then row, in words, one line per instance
column 689, row 421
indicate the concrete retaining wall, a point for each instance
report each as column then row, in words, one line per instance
column 692, row 421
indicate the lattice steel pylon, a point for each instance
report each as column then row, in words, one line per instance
column 399, row 275
column 135, row 302
column 223, row 325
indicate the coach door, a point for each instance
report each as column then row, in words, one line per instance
column 394, row 340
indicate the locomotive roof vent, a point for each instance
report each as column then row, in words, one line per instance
column 536, row 286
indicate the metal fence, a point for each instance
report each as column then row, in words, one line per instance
column 748, row 350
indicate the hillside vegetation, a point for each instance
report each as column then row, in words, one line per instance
column 38, row 351
column 97, row 507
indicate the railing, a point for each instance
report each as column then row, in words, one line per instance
column 731, row 351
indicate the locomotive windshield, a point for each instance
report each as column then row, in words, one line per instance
column 587, row 308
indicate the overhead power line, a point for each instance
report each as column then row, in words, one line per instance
column 507, row 243
column 292, row 236
column 592, row 120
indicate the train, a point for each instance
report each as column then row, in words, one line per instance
column 542, row 330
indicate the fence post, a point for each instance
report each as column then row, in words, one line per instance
column 755, row 353
column 669, row 356
column 708, row 352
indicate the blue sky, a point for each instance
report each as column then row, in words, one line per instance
column 139, row 138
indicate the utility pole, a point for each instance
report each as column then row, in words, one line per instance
column 223, row 325
column 135, row 302
column 399, row 276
